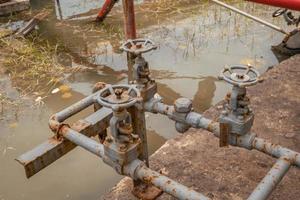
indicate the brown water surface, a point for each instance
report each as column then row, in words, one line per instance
column 195, row 41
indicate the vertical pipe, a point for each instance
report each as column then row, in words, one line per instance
column 139, row 125
column 130, row 32
column 270, row 181
column 129, row 19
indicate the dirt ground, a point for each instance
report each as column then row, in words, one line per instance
column 233, row 173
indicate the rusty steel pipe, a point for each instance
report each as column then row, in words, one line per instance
column 168, row 185
column 83, row 141
column 129, row 32
column 75, row 108
column 276, row 150
column 271, row 180
column 137, row 169
column 106, row 8
column 129, row 19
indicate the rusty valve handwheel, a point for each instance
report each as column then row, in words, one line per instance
column 138, row 46
column 240, row 75
column 118, row 97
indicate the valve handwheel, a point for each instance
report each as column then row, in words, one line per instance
column 240, row 75
column 279, row 12
column 138, row 46
column 118, row 96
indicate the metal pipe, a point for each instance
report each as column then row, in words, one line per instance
column 270, row 181
column 75, row 108
column 138, row 170
column 193, row 119
column 290, row 4
column 276, row 150
column 130, row 32
column 106, row 8
column 129, row 19
column 83, row 141
column 274, row 27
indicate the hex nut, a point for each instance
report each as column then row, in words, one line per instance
column 183, row 105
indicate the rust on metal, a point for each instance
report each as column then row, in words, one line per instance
column 224, row 134
column 52, row 149
column 129, row 19
column 146, row 191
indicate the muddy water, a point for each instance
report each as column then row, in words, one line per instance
column 195, row 42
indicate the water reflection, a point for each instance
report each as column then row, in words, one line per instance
column 203, row 98
column 195, row 42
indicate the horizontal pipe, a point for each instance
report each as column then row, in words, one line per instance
column 276, row 150
column 290, row 4
column 83, row 141
column 270, row 181
column 248, row 141
column 274, row 27
column 138, row 170
column 192, row 119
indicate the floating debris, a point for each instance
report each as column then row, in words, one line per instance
column 54, row 91
column 66, row 95
column 64, row 88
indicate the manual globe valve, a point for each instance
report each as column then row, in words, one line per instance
column 141, row 68
column 236, row 114
column 138, row 46
column 123, row 145
column 119, row 98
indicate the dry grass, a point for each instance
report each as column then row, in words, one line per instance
column 31, row 64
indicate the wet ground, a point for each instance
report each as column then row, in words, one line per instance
column 233, row 173
column 195, row 41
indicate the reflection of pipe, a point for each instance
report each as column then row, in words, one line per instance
column 274, row 27
column 271, row 180
column 59, row 9
column 290, row 4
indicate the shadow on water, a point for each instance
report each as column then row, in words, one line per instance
column 195, row 41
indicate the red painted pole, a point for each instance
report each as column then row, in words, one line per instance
column 106, row 8
column 289, row 4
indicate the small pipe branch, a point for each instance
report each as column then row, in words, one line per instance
column 271, row 180
column 56, row 120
